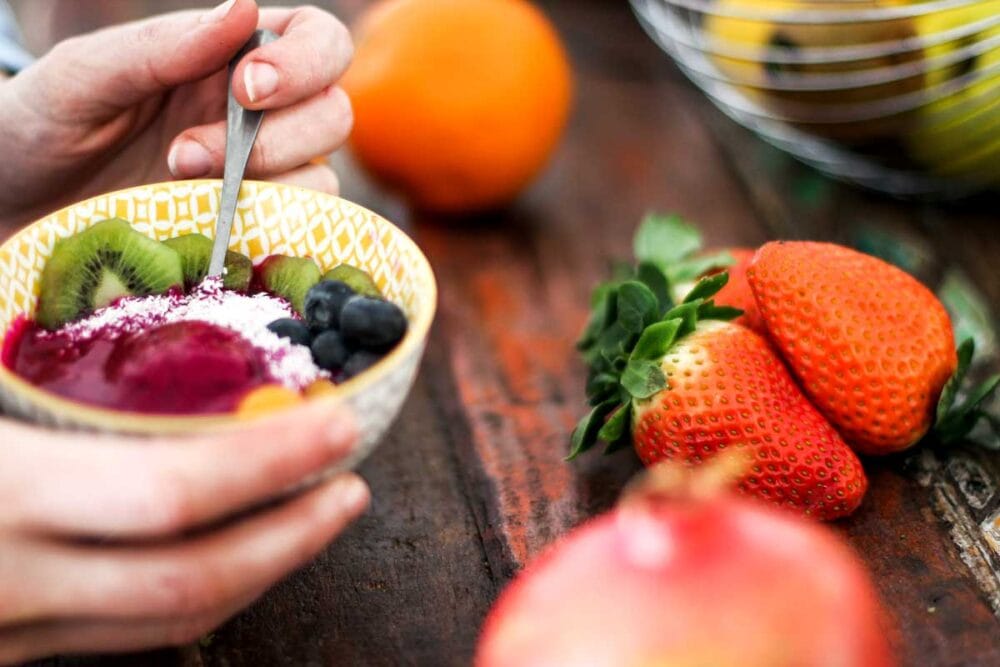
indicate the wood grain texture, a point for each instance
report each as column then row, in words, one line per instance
column 471, row 484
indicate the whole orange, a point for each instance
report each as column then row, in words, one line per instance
column 457, row 103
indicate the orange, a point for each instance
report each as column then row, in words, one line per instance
column 457, row 103
column 268, row 398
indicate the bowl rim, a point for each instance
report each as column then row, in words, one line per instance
column 83, row 415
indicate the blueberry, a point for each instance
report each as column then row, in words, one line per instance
column 329, row 351
column 324, row 302
column 359, row 362
column 294, row 330
column 374, row 323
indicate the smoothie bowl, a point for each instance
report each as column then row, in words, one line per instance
column 108, row 322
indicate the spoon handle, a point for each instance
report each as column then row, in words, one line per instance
column 241, row 132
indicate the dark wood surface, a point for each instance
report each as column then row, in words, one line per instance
column 471, row 482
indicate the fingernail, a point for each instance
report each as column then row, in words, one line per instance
column 189, row 159
column 218, row 13
column 261, row 80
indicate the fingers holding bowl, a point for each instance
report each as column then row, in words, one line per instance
column 98, row 598
column 134, row 488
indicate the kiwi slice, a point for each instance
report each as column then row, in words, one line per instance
column 355, row 278
column 196, row 253
column 105, row 262
column 289, row 278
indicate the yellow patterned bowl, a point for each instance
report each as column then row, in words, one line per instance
column 270, row 219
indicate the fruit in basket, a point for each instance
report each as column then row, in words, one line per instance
column 99, row 265
column 832, row 98
column 689, row 577
column 870, row 345
column 457, row 103
column 686, row 385
column 959, row 129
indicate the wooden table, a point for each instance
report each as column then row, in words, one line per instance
column 471, row 482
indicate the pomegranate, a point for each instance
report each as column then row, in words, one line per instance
column 688, row 577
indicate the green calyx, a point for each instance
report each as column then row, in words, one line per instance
column 674, row 246
column 955, row 420
column 634, row 322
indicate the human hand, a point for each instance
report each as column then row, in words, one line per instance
column 145, row 102
column 97, row 551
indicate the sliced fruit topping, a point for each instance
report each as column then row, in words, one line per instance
column 290, row 278
column 320, row 388
column 266, row 399
column 373, row 323
column 292, row 329
column 103, row 263
column 355, row 278
column 195, row 251
column 324, row 302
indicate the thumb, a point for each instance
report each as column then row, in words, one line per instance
column 119, row 66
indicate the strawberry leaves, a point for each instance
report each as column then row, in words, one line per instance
column 643, row 378
column 637, row 306
column 707, row 287
column 672, row 247
column 955, row 422
column 624, row 344
column 665, row 240
column 656, row 340
column 634, row 321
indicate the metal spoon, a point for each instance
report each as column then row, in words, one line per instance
column 241, row 132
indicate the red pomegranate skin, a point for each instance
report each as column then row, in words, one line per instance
column 685, row 583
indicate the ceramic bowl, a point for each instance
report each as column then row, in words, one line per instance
column 270, row 219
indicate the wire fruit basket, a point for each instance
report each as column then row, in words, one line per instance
column 901, row 96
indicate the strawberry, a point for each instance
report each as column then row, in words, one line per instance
column 676, row 247
column 871, row 347
column 681, row 383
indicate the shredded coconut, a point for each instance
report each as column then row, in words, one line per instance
column 248, row 315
